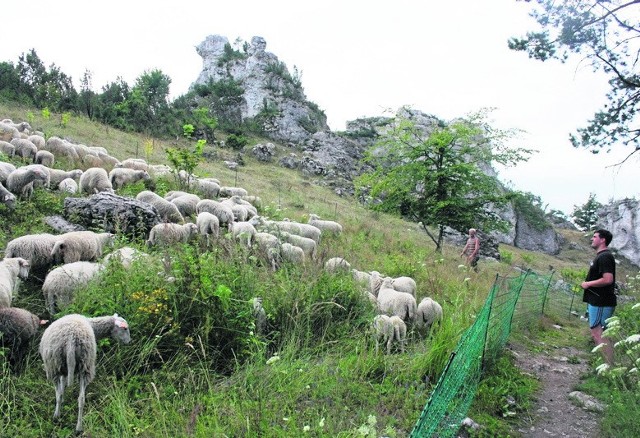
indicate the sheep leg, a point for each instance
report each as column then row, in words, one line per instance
column 389, row 342
column 83, row 384
column 59, row 396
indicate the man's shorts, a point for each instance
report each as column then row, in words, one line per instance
column 598, row 315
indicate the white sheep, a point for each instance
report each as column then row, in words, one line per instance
column 61, row 283
column 238, row 201
column 68, row 185
column 208, row 188
column 336, row 264
column 291, row 253
column 208, row 225
column 69, row 348
column 5, row 170
column 56, row 176
column 125, row 256
column 324, row 225
column 222, row 211
column 173, row 194
column 389, row 329
column 186, row 204
column 361, row 277
column 8, row 131
column 304, row 230
column 34, row 247
column 244, row 232
column 95, row 180
column 45, row 158
column 260, row 316
column 20, row 127
column 12, row 270
column 134, row 163
column 392, row 302
column 61, row 148
column 24, row 148
column 168, row 212
column 429, row 312
column 45, row 170
column 256, row 201
column 20, row 181
column 17, row 328
column 108, row 160
column 309, row 246
column 38, row 140
column 269, row 245
column 7, row 148
column 226, row 191
column 158, row 170
column 404, row 284
column 121, row 176
column 170, row 233
column 7, row 198
column 77, row 246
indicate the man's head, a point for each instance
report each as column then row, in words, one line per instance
column 472, row 232
column 600, row 235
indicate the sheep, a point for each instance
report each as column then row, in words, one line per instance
column 108, row 160
column 68, row 185
column 20, row 181
column 7, row 198
column 125, row 256
column 186, row 204
column 324, row 225
column 17, row 328
column 292, row 253
column 68, row 348
column 62, row 148
column 208, row 224
column 5, row 170
column 38, row 140
column 309, row 246
column 304, row 230
column 7, row 148
column 256, row 201
column 230, row 191
column 45, row 158
column 392, row 302
column 242, row 210
column 242, row 231
column 208, row 188
column 173, row 194
column 56, row 176
column 222, row 211
column 167, row 211
column 336, row 264
column 399, row 331
column 260, row 316
column 121, row 176
column 20, row 127
column 170, row 233
column 12, row 270
column 269, row 245
column 361, row 277
column 429, row 312
column 77, row 246
column 134, row 163
column 34, row 247
column 44, row 169
column 98, row 150
column 8, row 131
column 24, row 148
column 95, row 180
column 158, row 170
column 389, row 329
column 404, row 284
column 61, row 283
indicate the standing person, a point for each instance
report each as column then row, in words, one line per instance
column 599, row 293
column 471, row 249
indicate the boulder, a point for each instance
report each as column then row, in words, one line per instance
column 622, row 218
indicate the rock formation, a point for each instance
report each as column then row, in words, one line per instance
column 622, row 218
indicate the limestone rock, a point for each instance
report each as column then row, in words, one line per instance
column 622, row 218
column 264, row 151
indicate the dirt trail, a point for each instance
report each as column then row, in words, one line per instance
column 555, row 414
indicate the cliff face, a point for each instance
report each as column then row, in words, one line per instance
column 622, row 218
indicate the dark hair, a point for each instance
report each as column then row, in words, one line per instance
column 606, row 235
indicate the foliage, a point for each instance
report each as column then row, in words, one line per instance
column 230, row 54
column 185, row 160
column 236, row 141
column 586, row 215
column 604, row 33
column 435, row 176
column 529, row 206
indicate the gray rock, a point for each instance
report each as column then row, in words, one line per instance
column 622, row 218
column 586, row 402
column 264, row 151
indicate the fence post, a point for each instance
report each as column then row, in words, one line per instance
column 546, row 292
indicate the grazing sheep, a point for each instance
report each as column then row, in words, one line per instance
column 244, row 232
column 24, row 149
column 222, row 211
column 389, row 329
column 134, row 163
column 170, row 233
column 7, row 198
column 56, row 176
column 336, row 264
column 8, row 131
column 328, row 226
column 61, row 283
column 68, row 349
column 173, row 194
column 95, row 180
column 45, row 158
column 429, row 312
column 237, row 201
column 62, row 148
column 186, row 204
column 42, row 168
column 125, row 255
column 158, row 170
column 230, row 191
column 304, row 230
column 269, row 245
column 361, row 277
column 309, row 246
column 12, row 270
column 208, row 188
column 68, row 185
column 392, row 302
column 20, row 127
column 7, row 148
column 77, row 246
column 108, row 160
column 33, row 247
column 404, row 284
column 38, row 140
column 292, row 253
column 168, row 212
column 121, row 176
column 5, row 170
column 17, row 328
column 260, row 316
column 20, row 181
column 256, row 201
column 208, row 224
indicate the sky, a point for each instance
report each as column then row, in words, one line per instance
column 356, row 59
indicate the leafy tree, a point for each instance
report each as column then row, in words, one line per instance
column 148, row 104
column 10, row 85
column 586, row 215
column 435, row 175
column 184, row 159
column 606, row 34
column 87, row 99
column 111, row 103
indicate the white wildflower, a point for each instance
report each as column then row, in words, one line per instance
column 461, row 266
column 321, row 423
column 597, row 348
column 636, row 306
column 466, row 280
column 602, row 368
column 633, row 339
column 633, row 370
column 273, row 359
column 306, row 428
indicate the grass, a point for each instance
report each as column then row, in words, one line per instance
column 195, row 366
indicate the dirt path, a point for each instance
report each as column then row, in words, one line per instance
column 555, row 414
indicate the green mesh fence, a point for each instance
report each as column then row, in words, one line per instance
column 512, row 301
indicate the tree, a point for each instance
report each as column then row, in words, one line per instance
column 437, row 173
column 87, row 99
column 606, row 34
column 148, row 104
column 586, row 215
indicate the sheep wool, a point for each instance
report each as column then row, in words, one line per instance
column 429, row 312
column 17, row 328
column 7, row 148
column 34, row 247
column 69, row 348
column 12, row 270
column 78, row 246
column 68, row 185
column 121, row 176
column 392, row 302
column 45, row 158
column 61, row 283
column 170, row 233
column 5, row 170
column 7, row 198
column 95, row 180
column 324, row 225
column 20, row 181
column 208, row 224
column 57, row 176
column 223, row 212
column 336, row 264
column 167, row 210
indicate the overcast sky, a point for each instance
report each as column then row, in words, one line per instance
column 357, row 59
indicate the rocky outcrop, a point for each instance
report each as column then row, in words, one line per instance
column 536, row 238
column 622, row 218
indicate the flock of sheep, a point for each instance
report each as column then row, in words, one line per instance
column 71, row 260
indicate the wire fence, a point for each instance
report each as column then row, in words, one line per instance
column 512, row 302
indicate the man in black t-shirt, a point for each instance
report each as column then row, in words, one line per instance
column 599, row 290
